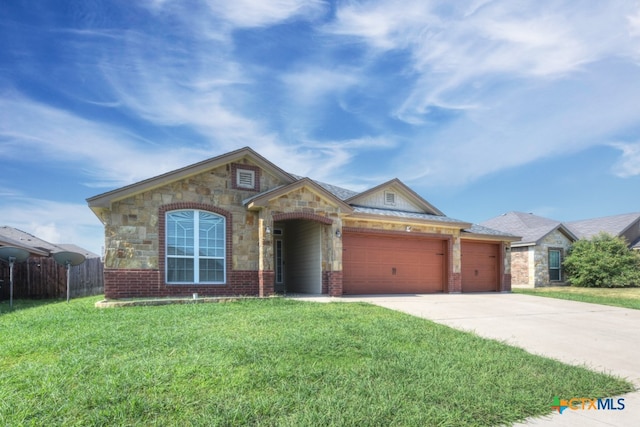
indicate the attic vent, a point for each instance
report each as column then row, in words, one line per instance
column 246, row 178
column 389, row 198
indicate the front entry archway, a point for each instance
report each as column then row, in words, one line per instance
column 297, row 255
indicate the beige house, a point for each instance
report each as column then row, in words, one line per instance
column 237, row 224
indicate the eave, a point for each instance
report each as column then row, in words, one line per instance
column 403, row 188
column 103, row 201
column 262, row 200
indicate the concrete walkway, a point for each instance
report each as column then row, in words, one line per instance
column 602, row 338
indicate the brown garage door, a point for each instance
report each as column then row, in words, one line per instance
column 374, row 264
column 480, row 266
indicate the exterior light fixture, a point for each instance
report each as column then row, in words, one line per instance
column 338, row 234
column 267, row 229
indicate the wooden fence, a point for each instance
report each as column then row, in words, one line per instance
column 45, row 278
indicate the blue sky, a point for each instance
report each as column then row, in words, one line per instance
column 482, row 107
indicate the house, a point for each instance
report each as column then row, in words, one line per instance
column 41, row 276
column 237, row 224
column 536, row 260
column 626, row 226
column 37, row 247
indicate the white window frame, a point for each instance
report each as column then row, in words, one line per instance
column 196, row 249
column 246, row 172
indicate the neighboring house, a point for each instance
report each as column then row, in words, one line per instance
column 536, row 260
column 626, row 226
column 237, row 224
column 10, row 236
column 40, row 276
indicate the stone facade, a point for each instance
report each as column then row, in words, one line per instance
column 134, row 220
column 134, row 236
column 521, row 274
column 555, row 240
column 530, row 264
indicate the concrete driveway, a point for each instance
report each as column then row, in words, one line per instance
column 602, row 338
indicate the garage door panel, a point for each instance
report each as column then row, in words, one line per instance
column 382, row 264
column 480, row 266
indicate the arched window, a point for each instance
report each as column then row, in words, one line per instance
column 195, row 248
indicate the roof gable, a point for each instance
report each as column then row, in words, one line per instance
column 530, row 227
column 394, row 195
column 615, row 225
column 263, row 199
column 105, row 199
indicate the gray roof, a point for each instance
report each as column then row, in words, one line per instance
column 10, row 236
column 27, row 240
column 407, row 215
column 345, row 194
column 70, row 247
column 486, row 231
column 339, row 192
column 615, row 225
column 530, row 227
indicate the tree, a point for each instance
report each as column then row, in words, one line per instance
column 604, row 261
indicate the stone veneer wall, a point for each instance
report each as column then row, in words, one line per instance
column 134, row 246
column 304, row 204
column 555, row 240
column 520, row 266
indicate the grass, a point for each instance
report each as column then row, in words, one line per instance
column 619, row 297
column 267, row 362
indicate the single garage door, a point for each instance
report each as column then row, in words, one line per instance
column 379, row 264
column 480, row 266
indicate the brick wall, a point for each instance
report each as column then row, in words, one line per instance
column 455, row 283
column 148, row 283
column 332, row 283
column 506, row 283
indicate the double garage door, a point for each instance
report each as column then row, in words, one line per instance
column 380, row 264
column 383, row 264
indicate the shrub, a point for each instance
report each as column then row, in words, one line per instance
column 604, row 261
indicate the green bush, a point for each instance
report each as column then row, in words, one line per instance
column 604, row 261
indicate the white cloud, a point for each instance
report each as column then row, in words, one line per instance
column 310, row 85
column 527, row 123
column 257, row 13
column 456, row 46
column 55, row 222
column 629, row 163
column 108, row 156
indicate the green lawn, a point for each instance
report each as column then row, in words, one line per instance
column 619, row 297
column 267, row 362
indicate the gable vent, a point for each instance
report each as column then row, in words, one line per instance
column 389, row 198
column 246, row 178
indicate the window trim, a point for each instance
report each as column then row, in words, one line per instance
column 196, row 257
column 559, row 268
column 161, row 266
column 248, row 173
column 237, row 169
